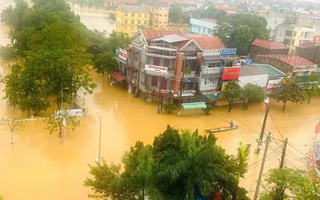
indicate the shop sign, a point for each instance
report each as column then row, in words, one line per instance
column 155, row 68
column 230, row 73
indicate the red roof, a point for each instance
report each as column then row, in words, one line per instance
column 124, row 1
column 117, row 76
column 269, row 45
column 291, row 60
column 151, row 34
column 204, row 41
column 207, row 42
column 209, row 20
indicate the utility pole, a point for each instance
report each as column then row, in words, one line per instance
column 283, row 153
column 261, row 168
column 160, row 103
column 262, row 129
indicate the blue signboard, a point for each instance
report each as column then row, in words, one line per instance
column 228, row 52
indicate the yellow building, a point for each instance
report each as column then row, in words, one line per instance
column 129, row 18
column 159, row 14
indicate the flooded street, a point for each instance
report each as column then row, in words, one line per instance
column 38, row 166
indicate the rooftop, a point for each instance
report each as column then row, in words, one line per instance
column 269, row 45
column 273, row 72
column 124, row 1
column 251, row 70
column 134, row 8
column 291, row 60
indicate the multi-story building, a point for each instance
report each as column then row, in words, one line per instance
column 260, row 47
column 130, row 17
column 173, row 66
column 293, row 35
column 273, row 20
column 113, row 4
column 159, row 14
column 202, row 26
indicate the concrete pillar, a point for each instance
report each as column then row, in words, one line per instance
column 178, row 73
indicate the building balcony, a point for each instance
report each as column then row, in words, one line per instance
column 166, row 56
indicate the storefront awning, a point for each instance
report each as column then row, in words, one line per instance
column 117, row 76
column 194, row 105
column 212, row 97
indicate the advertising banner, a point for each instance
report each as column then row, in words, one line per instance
column 155, row 68
column 230, row 73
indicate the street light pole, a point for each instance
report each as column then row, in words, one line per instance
column 99, row 150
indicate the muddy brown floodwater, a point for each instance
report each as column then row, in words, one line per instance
column 39, row 167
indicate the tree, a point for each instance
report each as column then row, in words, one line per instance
column 240, row 30
column 252, row 93
column 289, row 90
column 135, row 182
column 242, row 167
column 177, row 15
column 311, row 87
column 15, row 125
column 232, row 92
column 177, row 166
column 62, row 122
column 289, row 183
column 105, row 62
column 53, row 43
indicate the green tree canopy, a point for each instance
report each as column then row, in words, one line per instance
column 311, row 87
column 52, row 43
column 232, row 92
column 177, row 15
column 178, row 166
column 252, row 93
column 289, row 183
column 289, row 90
column 240, row 30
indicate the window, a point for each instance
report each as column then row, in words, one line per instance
column 126, row 14
column 145, row 15
column 288, row 33
column 139, row 21
column 132, row 21
column 125, row 22
column 139, row 14
column 294, row 34
column 154, row 81
column 132, row 14
column 145, row 22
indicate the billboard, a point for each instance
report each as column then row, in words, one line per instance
column 155, row 68
column 121, row 54
column 230, row 73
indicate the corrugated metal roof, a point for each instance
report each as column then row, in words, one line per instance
column 251, row 70
column 269, row 45
column 171, row 38
column 270, row 70
column 291, row 60
column 151, row 34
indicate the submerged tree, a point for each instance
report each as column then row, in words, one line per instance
column 232, row 92
column 252, row 93
column 289, row 90
column 52, row 44
column 311, row 87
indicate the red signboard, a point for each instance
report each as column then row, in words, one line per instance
column 230, row 73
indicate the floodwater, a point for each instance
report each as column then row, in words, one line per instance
column 38, row 166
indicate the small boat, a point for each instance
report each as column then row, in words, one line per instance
column 227, row 128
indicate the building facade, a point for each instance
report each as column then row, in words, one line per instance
column 159, row 14
column 261, row 47
column 202, row 26
column 130, row 17
column 170, row 66
column 293, row 35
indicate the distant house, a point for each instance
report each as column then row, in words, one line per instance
column 309, row 51
column 202, row 26
column 116, row 3
column 291, row 65
column 159, row 14
column 261, row 47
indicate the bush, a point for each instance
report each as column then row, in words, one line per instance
column 169, row 107
column 206, row 110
